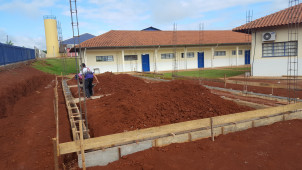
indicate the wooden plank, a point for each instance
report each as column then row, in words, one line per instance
column 76, row 100
column 156, row 132
column 237, row 117
column 81, row 146
column 57, row 113
column 259, row 84
column 131, row 136
column 246, row 103
column 54, row 142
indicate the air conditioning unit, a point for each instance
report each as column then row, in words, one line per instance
column 269, row 36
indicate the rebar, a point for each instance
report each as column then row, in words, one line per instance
column 76, row 35
column 292, row 52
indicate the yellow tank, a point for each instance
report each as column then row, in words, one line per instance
column 51, row 35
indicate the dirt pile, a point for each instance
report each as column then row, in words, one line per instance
column 135, row 104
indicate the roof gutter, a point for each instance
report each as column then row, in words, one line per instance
column 162, row 46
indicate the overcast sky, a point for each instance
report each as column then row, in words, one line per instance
column 22, row 20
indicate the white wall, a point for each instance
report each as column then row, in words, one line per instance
column 159, row 64
column 271, row 66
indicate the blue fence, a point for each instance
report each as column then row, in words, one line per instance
column 12, row 54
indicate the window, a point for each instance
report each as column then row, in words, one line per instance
column 234, row 52
column 189, row 55
column 279, row 49
column 130, row 57
column 240, row 52
column 167, row 56
column 219, row 53
column 104, row 58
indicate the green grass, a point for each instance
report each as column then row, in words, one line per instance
column 248, row 68
column 210, row 74
column 55, row 66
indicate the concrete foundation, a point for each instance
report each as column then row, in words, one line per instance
column 103, row 157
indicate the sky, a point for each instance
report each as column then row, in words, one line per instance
column 22, row 20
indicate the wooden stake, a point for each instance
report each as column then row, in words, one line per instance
column 81, row 145
column 96, row 78
column 57, row 117
column 212, row 131
column 224, row 80
column 54, row 141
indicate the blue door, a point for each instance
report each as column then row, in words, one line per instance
column 145, row 62
column 247, row 57
column 200, row 59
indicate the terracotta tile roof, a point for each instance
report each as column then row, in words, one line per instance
column 163, row 38
column 280, row 18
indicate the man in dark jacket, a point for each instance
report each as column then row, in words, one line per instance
column 88, row 75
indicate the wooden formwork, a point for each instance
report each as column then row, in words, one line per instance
column 119, row 143
column 190, row 129
column 74, row 114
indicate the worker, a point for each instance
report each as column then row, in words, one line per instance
column 79, row 76
column 88, row 75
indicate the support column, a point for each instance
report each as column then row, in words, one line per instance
column 237, row 51
column 85, row 58
column 155, row 60
column 212, row 57
column 185, row 56
column 123, row 61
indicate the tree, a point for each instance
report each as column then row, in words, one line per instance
column 9, row 42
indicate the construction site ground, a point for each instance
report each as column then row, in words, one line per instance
column 136, row 104
column 28, row 125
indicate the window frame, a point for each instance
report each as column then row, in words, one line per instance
column 164, row 56
column 274, row 49
column 240, row 52
column 218, row 53
column 131, row 58
column 234, row 52
column 104, row 60
column 183, row 55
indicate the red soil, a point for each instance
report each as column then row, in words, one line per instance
column 255, row 89
column 135, row 104
column 27, row 123
column 277, row 146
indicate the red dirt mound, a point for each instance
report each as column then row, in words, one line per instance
column 135, row 104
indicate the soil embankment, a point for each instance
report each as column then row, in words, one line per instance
column 27, row 119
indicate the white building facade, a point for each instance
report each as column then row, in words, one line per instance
column 164, row 57
column 276, row 40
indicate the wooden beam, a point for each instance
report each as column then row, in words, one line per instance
column 237, row 117
column 156, row 132
column 54, row 142
column 81, row 145
column 132, row 136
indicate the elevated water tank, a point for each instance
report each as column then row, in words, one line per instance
column 51, row 35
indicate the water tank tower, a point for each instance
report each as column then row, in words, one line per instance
column 51, row 35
